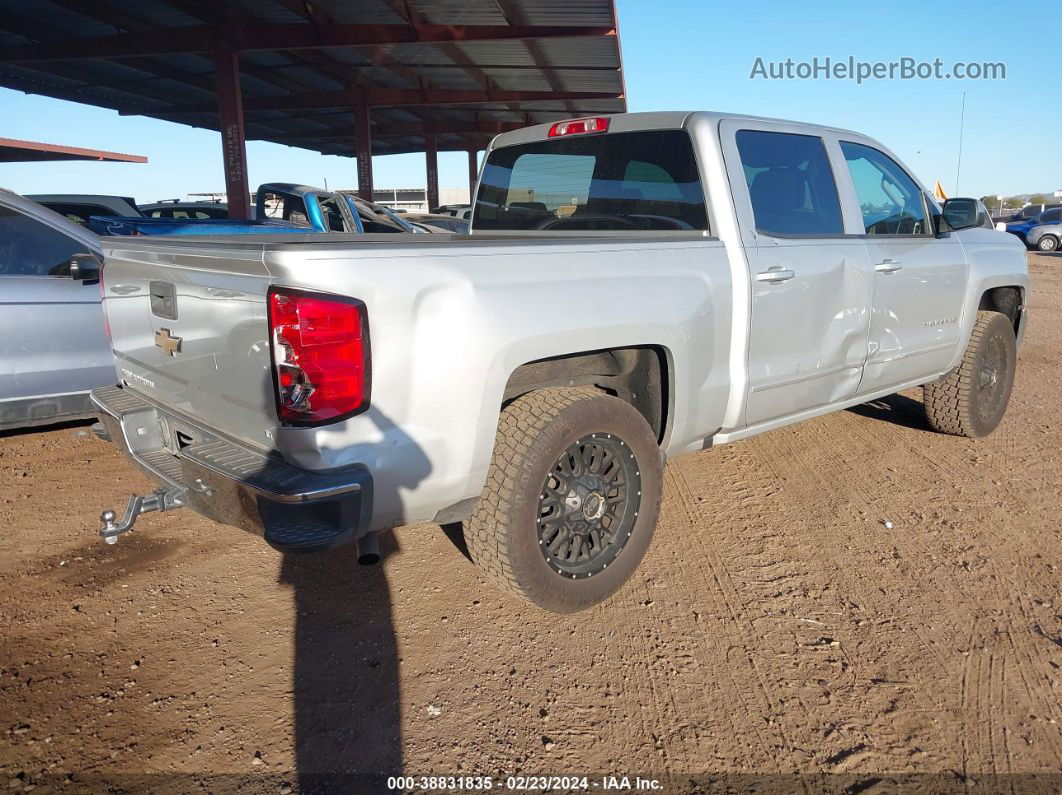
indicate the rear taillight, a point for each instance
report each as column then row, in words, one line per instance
column 594, row 124
column 320, row 347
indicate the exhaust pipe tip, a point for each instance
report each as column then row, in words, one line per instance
column 368, row 550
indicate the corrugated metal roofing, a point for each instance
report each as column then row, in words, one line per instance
column 465, row 68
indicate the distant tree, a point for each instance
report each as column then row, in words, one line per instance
column 1041, row 198
column 1015, row 201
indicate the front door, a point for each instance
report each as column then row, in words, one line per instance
column 919, row 279
column 811, row 286
column 52, row 339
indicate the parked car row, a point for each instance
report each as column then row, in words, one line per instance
column 281, row 207
column 1031, row 210
column 1040, row 231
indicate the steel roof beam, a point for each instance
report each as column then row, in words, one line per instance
column 403, row 130
column 102, row 11
column 389, row 97
column 514, row 15
column 278, row 36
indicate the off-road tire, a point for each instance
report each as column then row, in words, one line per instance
column 533, row 432
column 972, row 399
column 1047, row 243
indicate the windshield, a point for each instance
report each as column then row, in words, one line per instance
column 644, row 180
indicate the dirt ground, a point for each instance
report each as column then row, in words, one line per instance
column 855, row 594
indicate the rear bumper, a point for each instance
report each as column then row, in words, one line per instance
column 292, row 508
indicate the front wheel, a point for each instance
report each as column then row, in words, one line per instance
column 571, row 498
column 1047, row 243
column 972, row 400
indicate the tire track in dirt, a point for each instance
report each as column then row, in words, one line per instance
column 756, row 692
column 733, row 692
column 942, row 584
column 822, row 519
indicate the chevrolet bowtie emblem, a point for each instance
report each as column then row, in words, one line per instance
column 170, row 345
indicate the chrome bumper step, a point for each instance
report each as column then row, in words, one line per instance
column 293, row 508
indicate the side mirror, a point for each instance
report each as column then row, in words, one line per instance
column 962, row 214
column 85, row 268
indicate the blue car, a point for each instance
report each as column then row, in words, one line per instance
column 1022, row 228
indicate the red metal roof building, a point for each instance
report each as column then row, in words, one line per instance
column 12, row 150
column 342, row 77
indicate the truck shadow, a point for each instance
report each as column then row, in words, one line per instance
column 346, row 689
column 345, row 686
column 897, row 409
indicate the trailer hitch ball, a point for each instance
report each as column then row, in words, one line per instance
column 159, row 500
column 107, row 531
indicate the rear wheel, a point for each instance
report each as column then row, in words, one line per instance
column 972, row 400
column 1047, row 243
column 571, row 498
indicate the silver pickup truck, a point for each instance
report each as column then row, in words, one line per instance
column 635, row 287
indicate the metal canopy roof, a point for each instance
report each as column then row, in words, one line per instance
column 465, row 69
column 12, row 150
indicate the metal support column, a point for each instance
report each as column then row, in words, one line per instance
column 431, row 157
column 363, row 150
column 233, row 139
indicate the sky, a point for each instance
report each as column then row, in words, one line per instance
column 677, row 55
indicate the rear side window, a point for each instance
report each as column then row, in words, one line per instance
column 790, row 183
column 613, row 181
column 29, row 248
column 77, row 212
column 1051, row 217
column 286, row 207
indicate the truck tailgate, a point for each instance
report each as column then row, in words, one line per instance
column 189, row 330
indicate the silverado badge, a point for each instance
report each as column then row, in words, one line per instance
column 170, row 345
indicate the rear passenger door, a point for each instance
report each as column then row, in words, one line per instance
column 810, row 283
column 919, row 279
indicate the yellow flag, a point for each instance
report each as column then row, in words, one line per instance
column 939, row 193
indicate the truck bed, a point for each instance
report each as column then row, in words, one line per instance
column 449, row 317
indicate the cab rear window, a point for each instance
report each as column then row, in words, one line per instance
column 614, row 181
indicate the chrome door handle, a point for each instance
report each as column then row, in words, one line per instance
column 775, row 276
column 888, row 266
